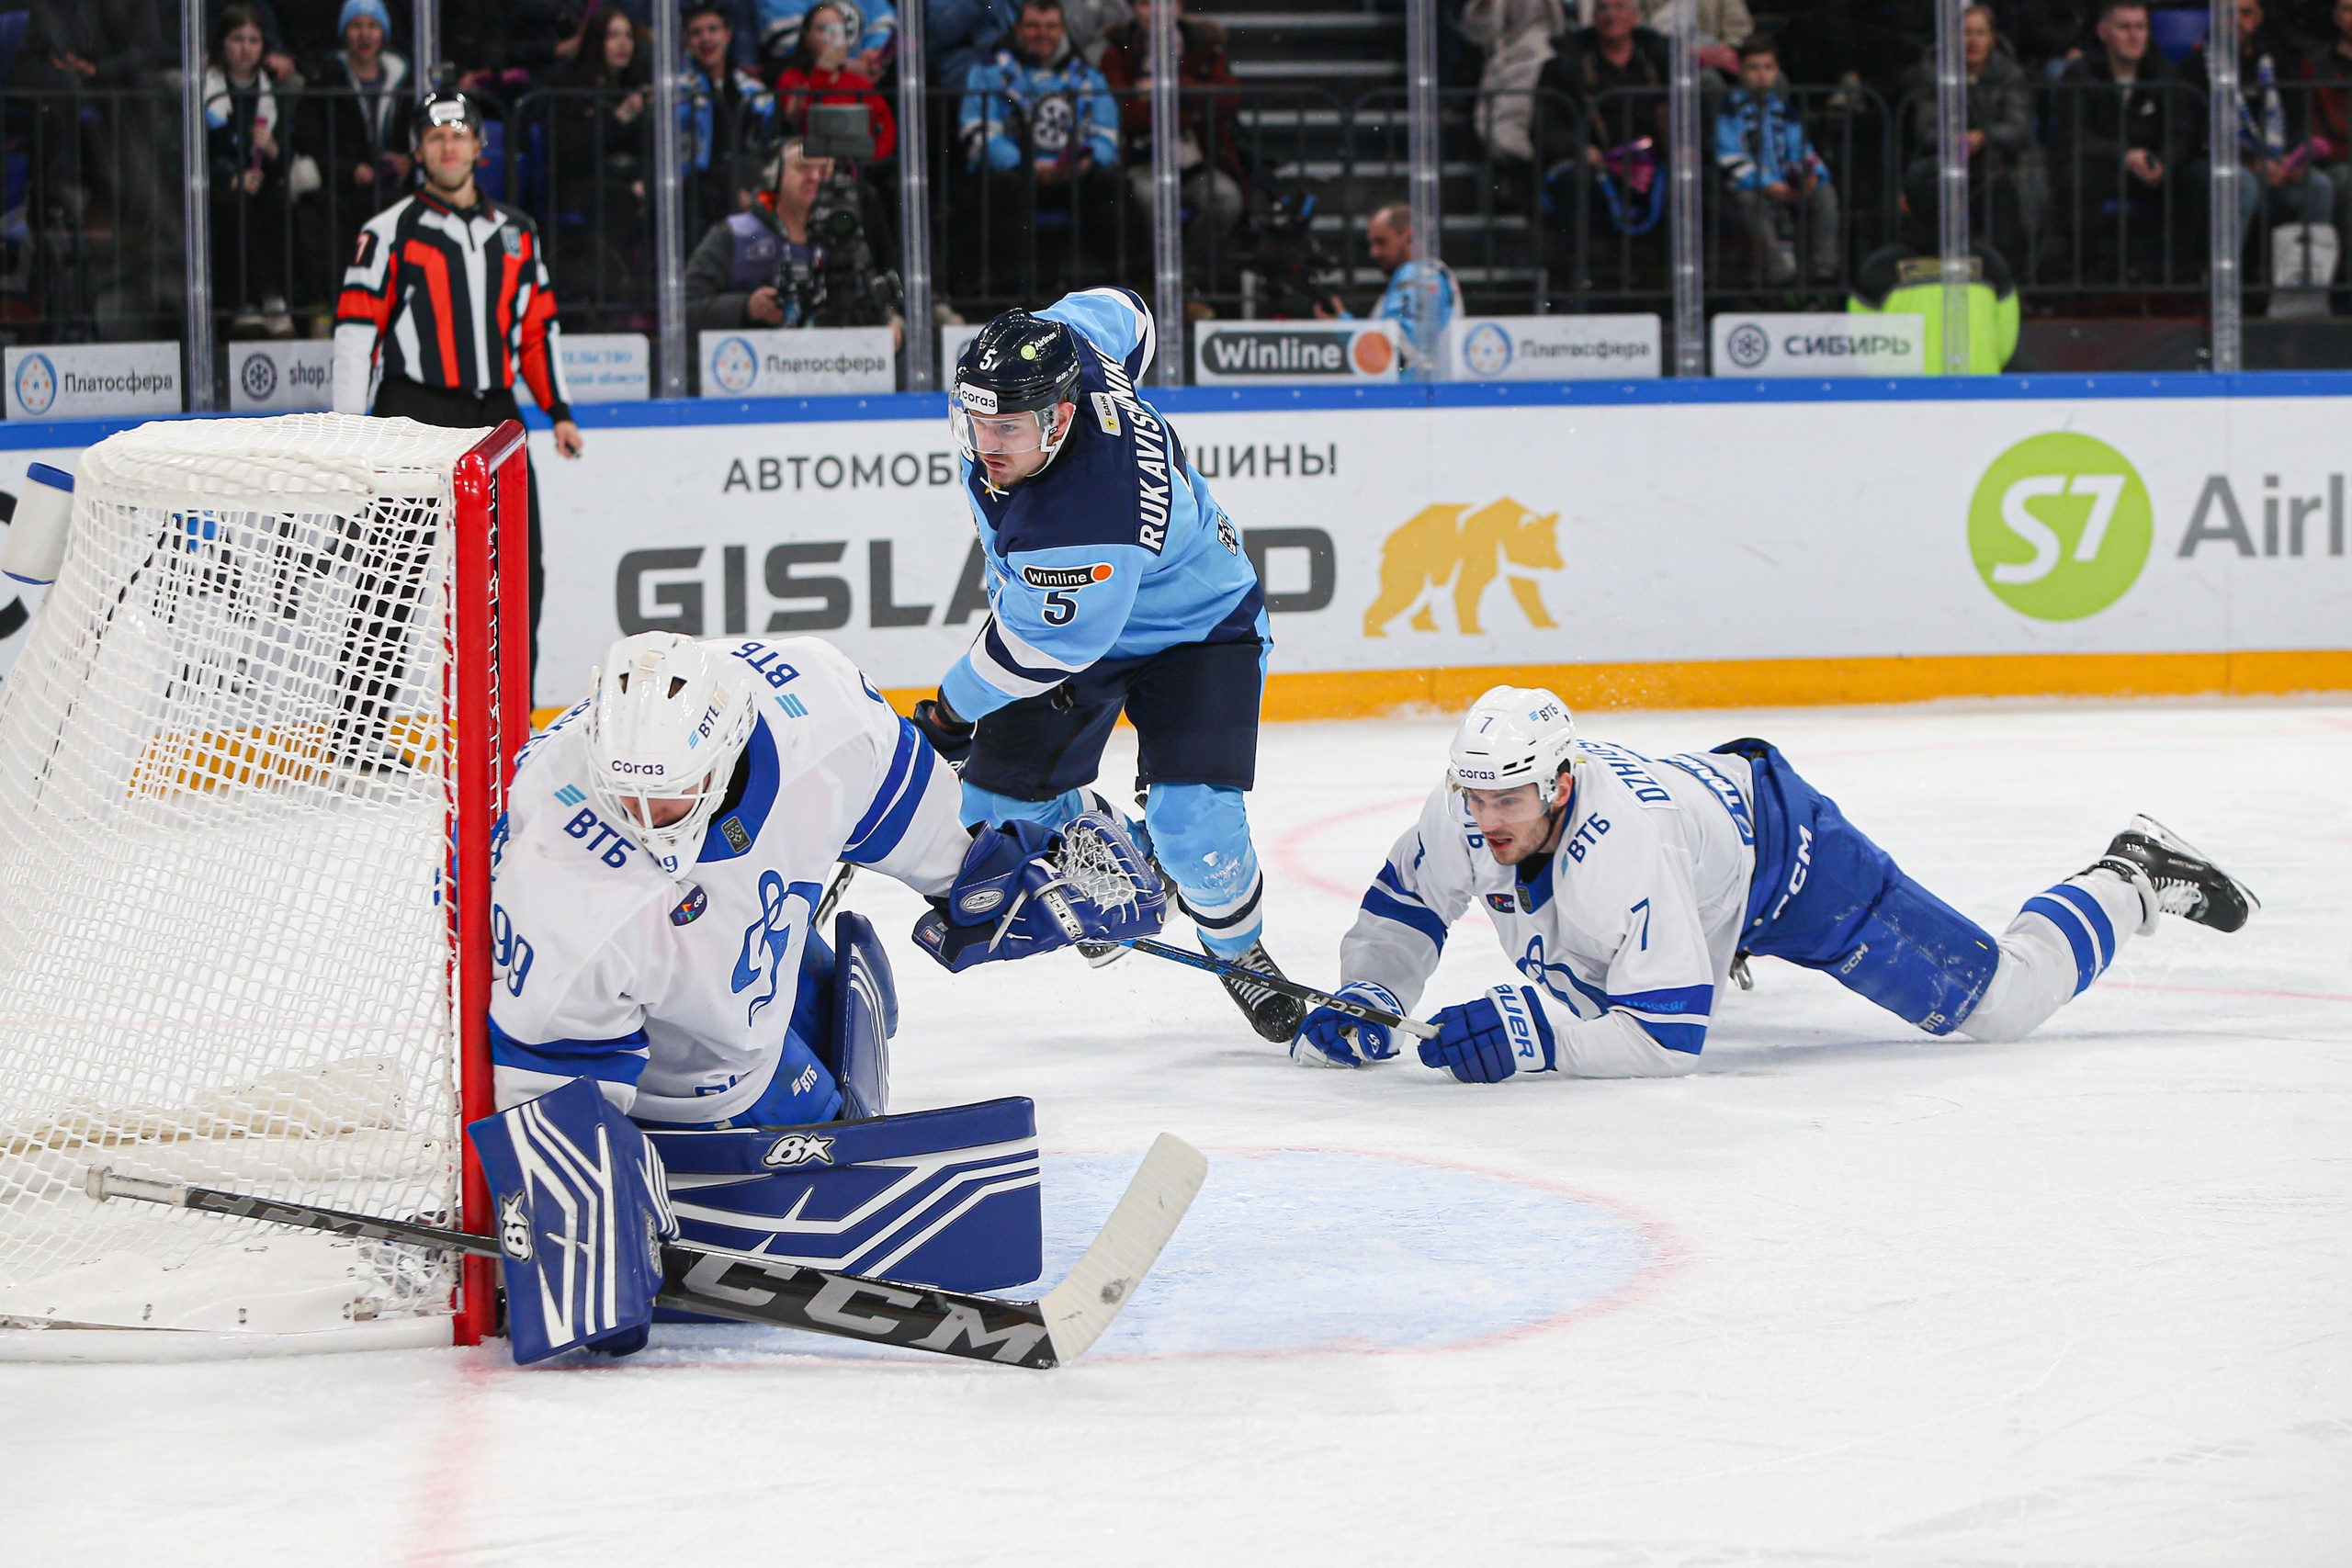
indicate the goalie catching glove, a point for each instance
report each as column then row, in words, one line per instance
column 1487, row 1040
column 1003, row 904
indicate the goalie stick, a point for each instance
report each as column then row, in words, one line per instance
column 751, row 1288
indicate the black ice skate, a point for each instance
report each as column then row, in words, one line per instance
column 2185, row 883
column 1274, row 1015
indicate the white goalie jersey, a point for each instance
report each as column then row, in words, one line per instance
column 677, row 992
column 1626, row 930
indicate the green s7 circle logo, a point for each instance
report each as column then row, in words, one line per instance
column 2059, row 527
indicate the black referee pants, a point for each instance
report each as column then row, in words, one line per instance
column 399, row 398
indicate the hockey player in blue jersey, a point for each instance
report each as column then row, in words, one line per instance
column 1628, row 890
column 1114, row 581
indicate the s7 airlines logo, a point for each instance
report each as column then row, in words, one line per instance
column 2059, row 527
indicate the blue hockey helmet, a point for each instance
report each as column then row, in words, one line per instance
column 1018, row 364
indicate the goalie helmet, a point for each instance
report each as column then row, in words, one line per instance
column 1018, row 364
column 1513, row 735
column 667, row 722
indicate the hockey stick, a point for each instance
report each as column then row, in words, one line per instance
column 751, row 1288
column 1287, row 987
column 834, row 891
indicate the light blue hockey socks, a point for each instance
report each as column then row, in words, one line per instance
column 1201, row 835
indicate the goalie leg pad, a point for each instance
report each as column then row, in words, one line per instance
column 583, row 1208
column 862, row 1017
column 945, row 1198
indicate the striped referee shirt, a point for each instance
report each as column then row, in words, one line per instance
column 454, row 300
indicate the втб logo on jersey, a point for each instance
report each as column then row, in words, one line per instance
column 797, row 1148
column 2059, row 527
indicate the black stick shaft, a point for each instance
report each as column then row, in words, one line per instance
column 718, row 1283
column 1288, row 987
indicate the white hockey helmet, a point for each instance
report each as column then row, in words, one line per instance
column 1513, row 735
column 667, row 721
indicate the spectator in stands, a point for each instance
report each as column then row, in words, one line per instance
column 2124, row 126
column 1603, row 115
column 758, row 267
column 602, row 139
column 1779, row 185
column 353, row 127
column 1517, row 36
column 2280, row 185
column 1214, row 182
column 820, row 71
column 727, row 112
column 1906, row 277
column 508, row 45
column 2000, row 129
column 1721, row 26
column 247, row 179
column 2331, row 118
column 1041, row 135
column 1388, row 239
column 965, row 33
column 871, row 26
column 277, row 55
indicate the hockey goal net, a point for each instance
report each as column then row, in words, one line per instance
column 250, row 759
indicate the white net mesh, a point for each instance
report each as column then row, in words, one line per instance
column 224, row 808
column 1092, row 869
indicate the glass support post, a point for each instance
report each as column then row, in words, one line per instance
column 1686, row 233
column 424, row 22
column 203, row 390
column 1422, row 151
column 1167, row 237
column 914, row 206
column 2227, row 233
column 1951, row 183
column 668, row 210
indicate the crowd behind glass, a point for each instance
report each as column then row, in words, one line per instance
column 2089, row 146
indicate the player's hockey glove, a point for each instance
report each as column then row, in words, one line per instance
column 949, row 732
column 1329, row 1038
column 999, row 908
column 1487, row 1040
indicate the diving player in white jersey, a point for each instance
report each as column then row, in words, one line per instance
column 1628, row 889
column 665, row 848
column 1114, row 581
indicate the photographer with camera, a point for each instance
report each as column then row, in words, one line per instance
column 802, row 252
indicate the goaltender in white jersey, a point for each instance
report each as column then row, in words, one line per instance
column 1627, row 889
column 664, row 957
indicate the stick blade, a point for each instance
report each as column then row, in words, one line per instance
column 1080, row 1308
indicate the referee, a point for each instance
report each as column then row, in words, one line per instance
column 445, row 301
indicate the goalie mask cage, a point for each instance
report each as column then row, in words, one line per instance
column 251, row 758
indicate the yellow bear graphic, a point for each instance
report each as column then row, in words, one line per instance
column 1439, row 544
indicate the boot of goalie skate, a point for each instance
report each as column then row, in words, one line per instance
column 2184, row 882
column 1275, row 1016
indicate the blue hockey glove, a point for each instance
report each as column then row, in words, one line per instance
column 1329, row 1038
column 996, row 909
column 583, row 1208
column 1487, row 1040
column 949, row 732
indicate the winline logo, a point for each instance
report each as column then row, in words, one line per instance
column 2059, row 527
column 1295, row 353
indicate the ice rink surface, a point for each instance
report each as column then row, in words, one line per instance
column 1845, row 1296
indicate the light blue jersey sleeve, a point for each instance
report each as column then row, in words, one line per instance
column 1115, row 320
